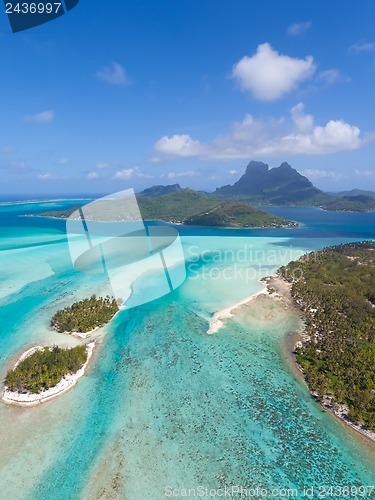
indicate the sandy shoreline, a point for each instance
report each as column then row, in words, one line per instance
column 282, row 292
column 216, row 321
column 67, row 382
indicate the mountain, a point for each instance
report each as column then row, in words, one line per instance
column 277, row 186
column 160, row 190
column 356, row 192
column 283, row 185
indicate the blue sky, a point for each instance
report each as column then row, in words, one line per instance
column 129, row 94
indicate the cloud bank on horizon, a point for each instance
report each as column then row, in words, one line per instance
column 272, row 137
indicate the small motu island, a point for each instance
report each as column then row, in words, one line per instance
column 85, row 316
column 335, row 290
column 42, row 373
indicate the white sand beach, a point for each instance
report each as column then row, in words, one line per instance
column 216, row 321
column 67, row 382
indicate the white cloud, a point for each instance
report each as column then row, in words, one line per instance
column 177, row 145
column 47, row 176
column 63, row 161
column 365, row 173
column 114, row 75
column 233, row 172
column 125, row 174
column 332, row 76
column 269, row 75
column 189, row 173
column 92, row 176
column 316, row 174
column 103, row 165
column 304, row 123
column 43, row 117
column 362, row 47
column 298, row 28
column 273, row 137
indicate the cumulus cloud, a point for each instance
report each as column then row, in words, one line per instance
column 43, row 117
column 316, row 174
column 332, row 76
column 298, row 28
column 46, row 176
column 92, row 175
column 50, row 177
column 297, row 135
column 188, row 173
column 269, row 75
column 101, row 165
column 362, row 47
column 178, row 145
column 125, row 174
column 365, row 173
column 114, row 74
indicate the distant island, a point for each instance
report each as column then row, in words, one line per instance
column 186, row 206
column 356, row 192
column 258, row 186
column 335, row 290
column 85, row 316
column 42, row 373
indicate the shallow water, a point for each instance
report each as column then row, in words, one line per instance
column 163, row 403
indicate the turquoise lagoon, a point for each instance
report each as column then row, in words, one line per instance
column 163, row 403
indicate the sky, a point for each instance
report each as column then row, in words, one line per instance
column 124, row 94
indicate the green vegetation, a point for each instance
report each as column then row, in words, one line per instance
column 45, row 368
column 160, row 190
column 195, row 208
column 360, row 203
column 175, row 207
column 231, row 214
column 85, row 315
column 335, row 288
column 61, row 214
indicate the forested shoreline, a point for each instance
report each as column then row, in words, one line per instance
column 85, row 315
column 335, row 289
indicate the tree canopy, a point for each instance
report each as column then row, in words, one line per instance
column 85, row 315
column 45, row 368
column 335, row 289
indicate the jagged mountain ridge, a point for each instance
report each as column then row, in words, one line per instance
column 281, row 185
